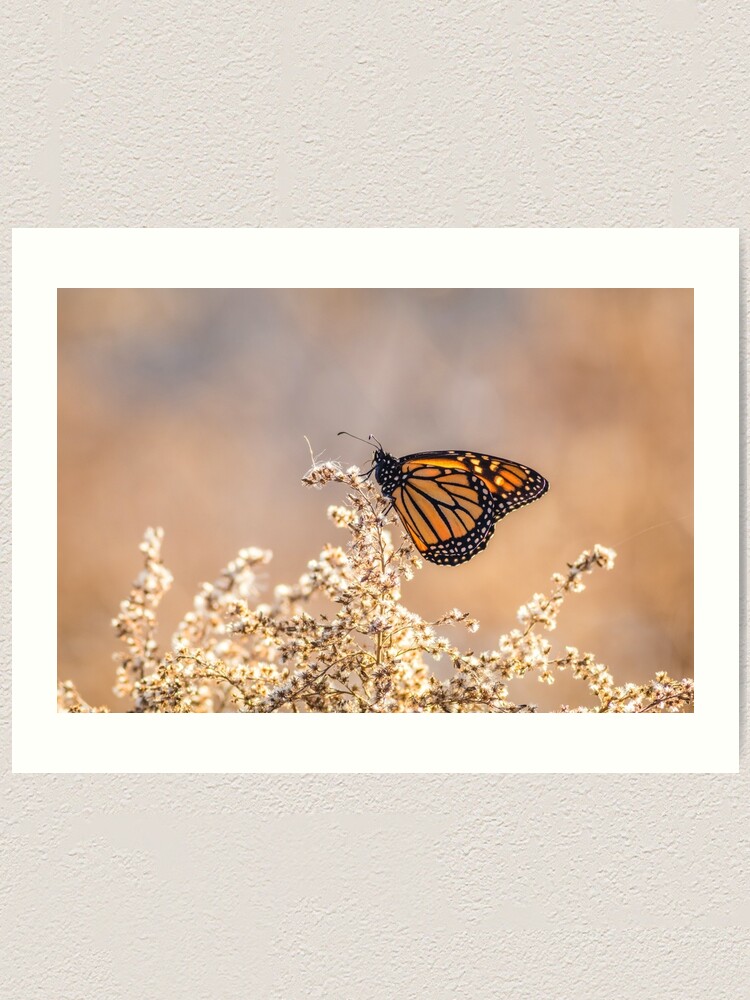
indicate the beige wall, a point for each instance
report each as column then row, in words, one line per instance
column 327, row 886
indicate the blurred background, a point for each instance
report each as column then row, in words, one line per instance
column 188, row 409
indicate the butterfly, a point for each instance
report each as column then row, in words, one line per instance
column 450, row 501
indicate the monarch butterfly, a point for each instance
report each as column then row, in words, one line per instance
column 450, row 501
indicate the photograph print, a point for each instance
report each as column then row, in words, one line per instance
column 375, row 500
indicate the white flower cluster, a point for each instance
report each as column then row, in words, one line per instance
column 340, row 640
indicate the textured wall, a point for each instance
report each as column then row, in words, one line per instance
column 329, row 114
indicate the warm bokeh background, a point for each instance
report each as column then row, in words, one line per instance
column 188, row 409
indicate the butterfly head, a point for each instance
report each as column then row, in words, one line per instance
column 387, row 470
column 385, row 466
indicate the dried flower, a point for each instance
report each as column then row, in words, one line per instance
column 366, row 653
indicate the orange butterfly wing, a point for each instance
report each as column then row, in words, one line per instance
column 450, row 501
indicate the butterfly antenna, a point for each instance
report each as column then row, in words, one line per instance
column 371, row 438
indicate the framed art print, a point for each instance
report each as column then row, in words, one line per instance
column 375, row 500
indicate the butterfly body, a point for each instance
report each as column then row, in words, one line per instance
column 450, row 501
